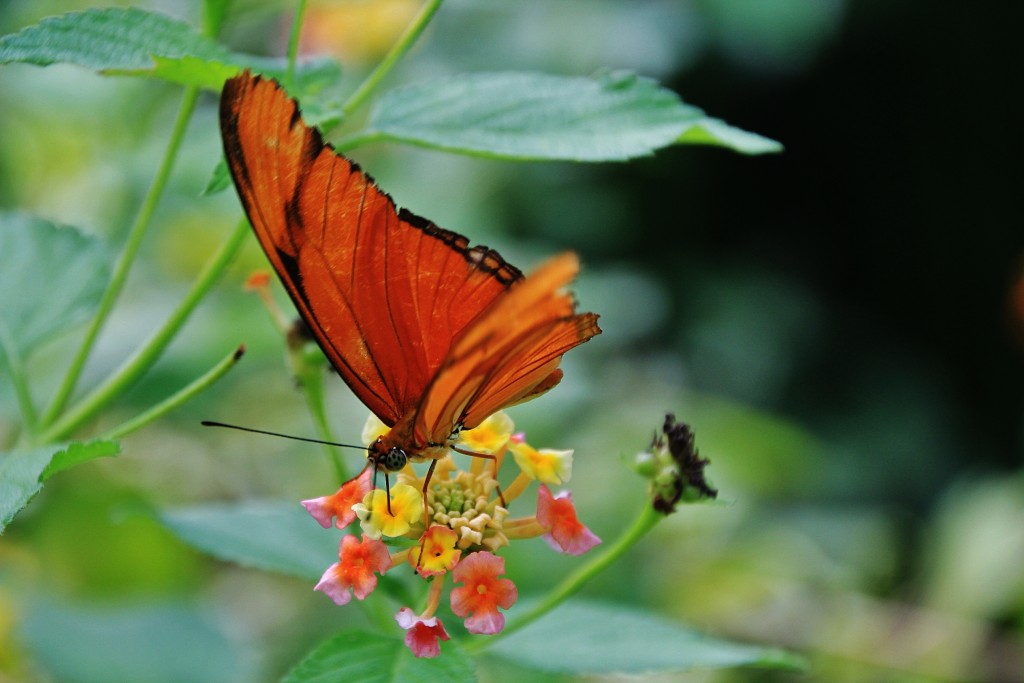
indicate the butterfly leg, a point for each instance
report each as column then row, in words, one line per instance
column 494, row 461
column 426, row 510
column 387, row 489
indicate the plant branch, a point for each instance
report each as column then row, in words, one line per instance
column 398, row 50
column 176, row 399
column 144, row 358
column 11, row 361
column 293, row 43
column 124, row 262
column 313, row 388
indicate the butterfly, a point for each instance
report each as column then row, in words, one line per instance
column 431, row 334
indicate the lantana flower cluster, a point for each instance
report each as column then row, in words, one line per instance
column 458, row 533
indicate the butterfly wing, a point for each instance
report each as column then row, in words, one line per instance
column 384, row 292
column 508, row 355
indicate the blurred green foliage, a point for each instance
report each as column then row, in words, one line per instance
column 839, row 324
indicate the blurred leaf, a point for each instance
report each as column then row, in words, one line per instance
column 52, row 279
column 518, row 115
column 370, row 658
column 597, row 638
column 137, row 42
column 108, row 39
column 22, row 473
column 219, row 180
column 271, row 535
column 78, row 453
column 975, row 549
column 711, row 131
column 144, row 645
column 756, row 450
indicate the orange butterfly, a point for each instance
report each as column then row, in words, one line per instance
column 431, row 334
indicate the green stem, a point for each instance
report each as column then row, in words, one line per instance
column 293, row 43
column 397, row 51
column 144, row 358
column 644, row 522
column 213, row 17
column 16, row 371
column 125, row 261
column 313, row 388
column 176, row 399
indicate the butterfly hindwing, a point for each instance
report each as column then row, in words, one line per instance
column 510, row 354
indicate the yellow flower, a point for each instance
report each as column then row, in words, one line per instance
column 436, row 552
column 547, row 464
column 373, row 429
column 490, row 436
column 378, row 518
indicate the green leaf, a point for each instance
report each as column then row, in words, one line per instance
column 152, row 644
column 271, row 535
column 78, row 453
column 108, row 39
column 220, row 179
column 52, row 279
column 594, row 638
column 136, row 42
column 188, row 70
column 712, row 131
column 516, row 115
column 22, row 473
column 371, row 658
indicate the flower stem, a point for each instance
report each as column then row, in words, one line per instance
column 124, row 262
column 313, row 387
column 644, row 522
column 397, row 51
column 293, row 42
column 176, row 399
column 144, row 358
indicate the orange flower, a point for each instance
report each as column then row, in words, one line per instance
column 339, row 505
column 565, row 532
column 354, row 572
column 483, row 592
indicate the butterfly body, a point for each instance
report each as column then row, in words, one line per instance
column 433, row 335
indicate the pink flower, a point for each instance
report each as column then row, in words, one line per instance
column 422, row 634
column 354, row 572
column 566, row 533
column 339, row 505
column 483, row 592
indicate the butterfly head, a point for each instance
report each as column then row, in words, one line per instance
column 385, row 458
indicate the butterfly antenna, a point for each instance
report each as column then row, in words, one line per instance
column 211, row 423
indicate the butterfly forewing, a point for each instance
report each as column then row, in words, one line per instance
column 383, row 292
